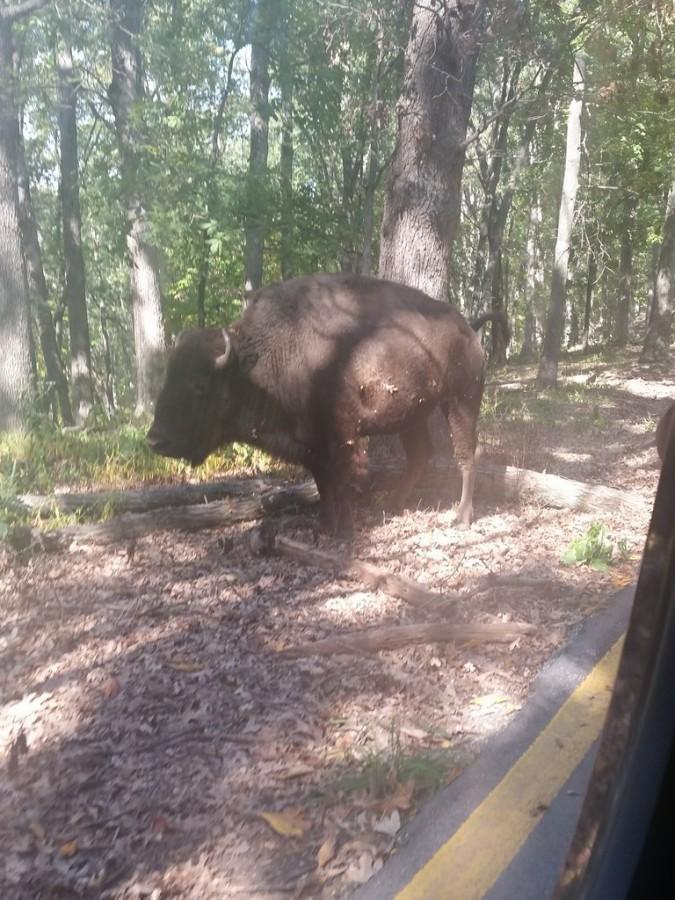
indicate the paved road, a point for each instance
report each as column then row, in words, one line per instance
column 502, row 829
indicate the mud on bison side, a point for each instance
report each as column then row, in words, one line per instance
column 315, row 363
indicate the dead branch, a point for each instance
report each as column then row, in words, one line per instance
column 374, row 576
column 190, row 518
column 391, row 637
column 144, row 499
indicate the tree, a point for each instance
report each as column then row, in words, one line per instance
column 75, row 292
column 126, row 95
column 264, row 17
column 286, row 151
column 423, row 201
column 548, row 365
column 37, row 284
column 15, row 359
column 656, row 347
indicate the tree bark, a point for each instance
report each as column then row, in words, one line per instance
column 286, row 242
column 39, row 294
column 555, row 321
column 625, row 299
column 656, row 347
column 264, row 15
column 126, row 94
column 108, row 362
column 15, row 362
column 591, row 275
column 75, row 289
column 372, row 173
column 423, row 202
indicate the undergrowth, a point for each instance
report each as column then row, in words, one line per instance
column 115, row 454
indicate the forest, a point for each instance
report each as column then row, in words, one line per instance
column 159, row 160
column 202, row 694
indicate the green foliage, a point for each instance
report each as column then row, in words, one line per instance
column 111, row 455
column 595, row 549
column 380, row 772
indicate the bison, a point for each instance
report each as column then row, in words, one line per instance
column 315, row 363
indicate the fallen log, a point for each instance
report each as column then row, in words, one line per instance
column 141, row 499
column 189, row 518
column 496, row 482
column 392, row 637
column 374, row 576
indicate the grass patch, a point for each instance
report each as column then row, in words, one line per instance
column 110, row 456
column 383, row 773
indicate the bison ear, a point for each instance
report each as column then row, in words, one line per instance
column 221, row 361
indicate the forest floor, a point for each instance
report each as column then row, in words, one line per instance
column 156, row 744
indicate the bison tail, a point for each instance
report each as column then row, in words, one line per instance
column 497, row 316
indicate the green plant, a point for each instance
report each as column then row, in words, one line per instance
column 595, row 549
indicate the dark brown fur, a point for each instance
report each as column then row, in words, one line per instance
column 316, row 363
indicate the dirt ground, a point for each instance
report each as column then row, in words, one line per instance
column 157, row 745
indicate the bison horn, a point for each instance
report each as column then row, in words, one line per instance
column 221, row 361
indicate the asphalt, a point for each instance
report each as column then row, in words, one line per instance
column 532, row 872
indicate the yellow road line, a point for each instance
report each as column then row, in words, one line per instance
column 470, row 862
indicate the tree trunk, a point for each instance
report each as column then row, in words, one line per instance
column 286, row 242
column 548, row 366
column 108, row 362
column 75, row 294
column 625, row 298
column 264, row 14
column 533, row 285
column 657, row 340
column 423, row 202
column 591, row 276
column 15, row 364
column 126, row 94
column 39, row 293
column 498, row 349
column 372, row 163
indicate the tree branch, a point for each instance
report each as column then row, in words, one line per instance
column 19, row 10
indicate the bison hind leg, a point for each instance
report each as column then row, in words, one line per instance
column 463, row 423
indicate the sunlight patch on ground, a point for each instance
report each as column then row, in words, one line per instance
column 46, row 717
column 569, row 456
column 639, row 387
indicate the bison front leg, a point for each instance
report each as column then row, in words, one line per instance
column 464, row 438
column 328, row 513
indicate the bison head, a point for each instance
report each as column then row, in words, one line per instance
column 197, row 398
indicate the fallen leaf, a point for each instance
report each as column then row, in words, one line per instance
column 388, row 825
column 159, row 824
column 623, row 579
column 411, row 731
column 185, row 665
column 490, row 700
column 326, row 851
column 361, row 871
column 290, row 823
column 38, row 830
column 296, row 771
column 111, row 687
column 68, row 849
column 401, row 798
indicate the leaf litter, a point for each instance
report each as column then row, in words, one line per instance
column 155, row 745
